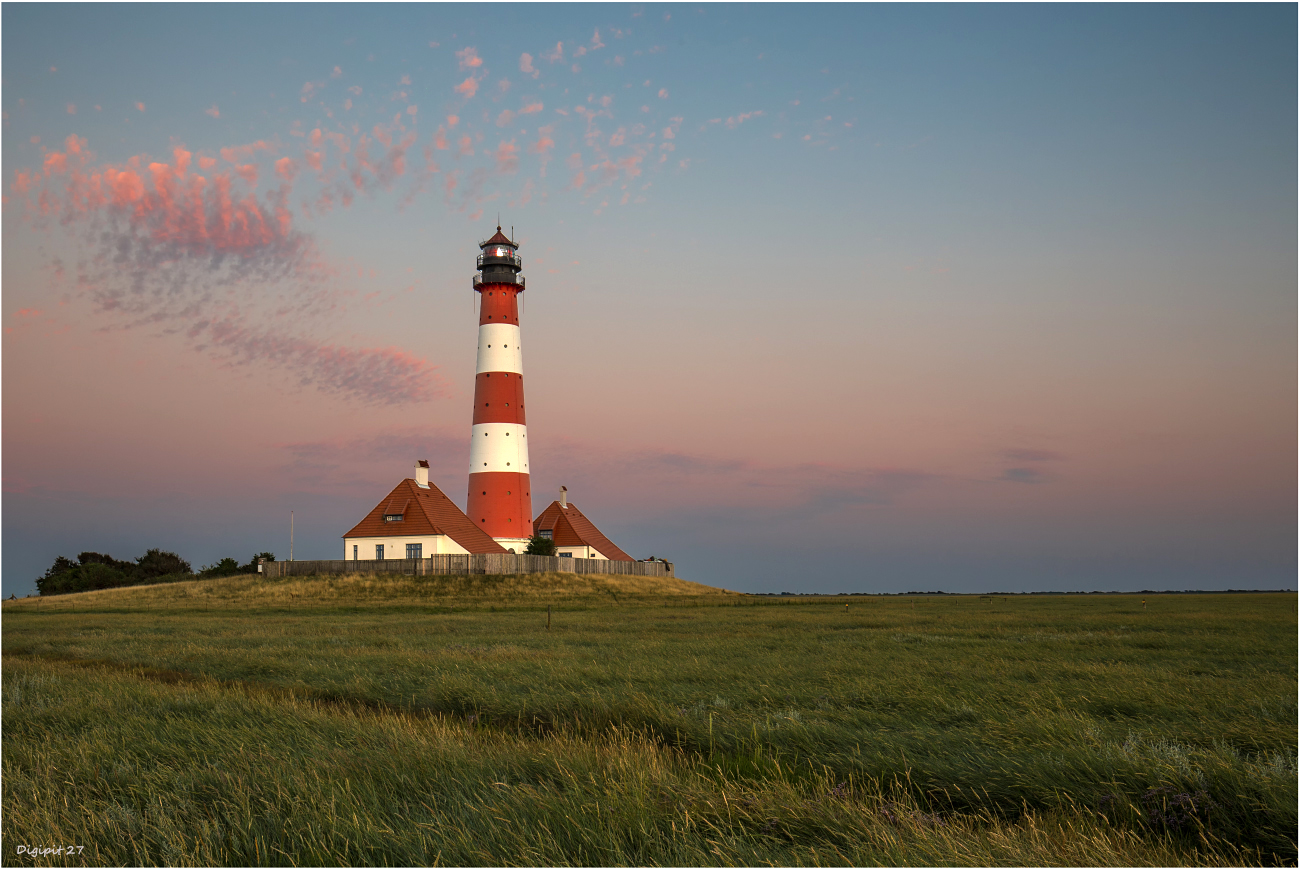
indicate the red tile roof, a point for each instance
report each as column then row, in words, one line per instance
column 569, row 527
column 425, row 512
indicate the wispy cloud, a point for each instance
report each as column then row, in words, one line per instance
column 168, row 248
column 1022, row 475
column 1031, row 455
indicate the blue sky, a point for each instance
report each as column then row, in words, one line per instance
column 821, row 297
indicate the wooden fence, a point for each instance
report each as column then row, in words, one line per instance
column 495, row 564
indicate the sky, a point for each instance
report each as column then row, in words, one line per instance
column 821, row 298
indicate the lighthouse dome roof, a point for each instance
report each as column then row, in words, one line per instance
column 499, row 238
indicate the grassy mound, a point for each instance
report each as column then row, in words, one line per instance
column 369, row 590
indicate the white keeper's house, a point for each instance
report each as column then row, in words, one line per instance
column 416, row 520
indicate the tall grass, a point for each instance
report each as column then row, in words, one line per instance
column 387, row 726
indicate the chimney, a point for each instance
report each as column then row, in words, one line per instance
column 422, row 474
column 564, row 497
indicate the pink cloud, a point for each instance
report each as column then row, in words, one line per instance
column 213, row 111
column 544, row 141
column 663, row 93
column 340, row 141
column 336, row 72
column 412, row 110
column 466, row 146
column 526, row 65
column 530, row 109
column 314, row 159
column 286, row 168
column 505, row 117
column 468, row 87
column 440, row 139
column 736, row 121
column 139, row 106
column 556, row 54
column 595, row 41
column 243, row 152
column 72, row 108
column 165, row 207
column 468, row 58
column 207, row 162
column 507, row 157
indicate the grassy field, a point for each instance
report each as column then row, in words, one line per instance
column 438, row 720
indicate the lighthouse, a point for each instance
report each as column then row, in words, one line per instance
column 500, row 500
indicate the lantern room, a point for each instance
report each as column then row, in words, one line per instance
column 499, row 262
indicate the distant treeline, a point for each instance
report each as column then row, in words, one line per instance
column 93, row 570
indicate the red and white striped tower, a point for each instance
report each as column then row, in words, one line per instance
column 499, row 498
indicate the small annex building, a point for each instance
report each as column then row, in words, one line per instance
column 574, row 534
column 416, row 520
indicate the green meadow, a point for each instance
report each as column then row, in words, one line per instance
column 439, row 720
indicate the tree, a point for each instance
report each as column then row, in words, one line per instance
column 156, row 562
column 94, row 570
column 65, row 577
column 539, row 545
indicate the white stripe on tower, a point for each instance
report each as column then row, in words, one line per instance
column 498, row 349
column 497, row 447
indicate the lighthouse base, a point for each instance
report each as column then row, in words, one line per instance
column 516, row 545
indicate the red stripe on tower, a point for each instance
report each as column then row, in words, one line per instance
column 499, row 498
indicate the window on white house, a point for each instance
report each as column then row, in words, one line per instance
column 566, row 554
column 413, row 550
column 354, row 553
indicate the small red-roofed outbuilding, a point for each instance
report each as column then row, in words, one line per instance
column 574, row 534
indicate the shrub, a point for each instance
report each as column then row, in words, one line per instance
column 538, row 545
column 224, row 567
